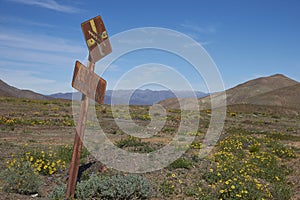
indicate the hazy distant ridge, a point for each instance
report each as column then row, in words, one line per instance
column 137, row 97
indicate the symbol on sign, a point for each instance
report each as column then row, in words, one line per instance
column 96, row 37
column 90, row 42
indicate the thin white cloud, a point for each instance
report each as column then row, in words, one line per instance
column 26, row 59
column 49, row 4
column 194, row 44
column 9, row 64
column 195, row 31
column 23, row 79
column 38, row 50
column 31, row 80
column 15, row 39
column 20, row 21
column 13, row 77
column 33, row 62
column 198, row 29
column 45, row 60
column 132, row 41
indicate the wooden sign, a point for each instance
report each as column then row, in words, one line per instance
column 96, row 38
column 89, row 83
column 92, row 87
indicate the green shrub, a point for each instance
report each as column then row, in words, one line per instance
column 168, row 129
column 65, row 153
column 129, row 142
column 20, row 177
column 254, row 148
column 115, row 187
column 125, row 187
column 167, row 188
column 281, row 150
column 281, row 191
column 136, row 143
column 58, row 193
column 89, row 188
column 181, row 163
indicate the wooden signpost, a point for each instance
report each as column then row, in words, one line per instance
column 90, row 85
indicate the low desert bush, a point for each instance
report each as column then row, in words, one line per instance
column 20, row 177
column 115, row 187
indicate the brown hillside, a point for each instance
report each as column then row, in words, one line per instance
column 245, row 93
column 9, row 91
column 241, row 93
column 288, row 97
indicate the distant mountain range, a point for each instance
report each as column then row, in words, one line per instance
column 275, row 90
column 135, row 97
column 9, row 91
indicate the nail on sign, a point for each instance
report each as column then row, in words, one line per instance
column 96, row 38
column 88, row 83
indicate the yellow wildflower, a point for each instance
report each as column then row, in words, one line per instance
column 238, row 195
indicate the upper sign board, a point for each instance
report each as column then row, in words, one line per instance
column 96, row 38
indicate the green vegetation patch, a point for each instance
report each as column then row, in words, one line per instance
column 114, row 187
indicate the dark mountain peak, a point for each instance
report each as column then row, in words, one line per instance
column 274, row 82
column 261, row 85
column 2, row 84
column 279, row 76
column 10, row 91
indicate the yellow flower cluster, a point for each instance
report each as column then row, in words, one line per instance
column 232, row 114
column 45, row 162
column 282, row 150
column 172, row 184
column 12, row 121
column 244, row 165
column 196, row 145
column 42, row 162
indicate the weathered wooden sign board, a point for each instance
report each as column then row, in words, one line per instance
column 96, row 38
column 96, row 87
column 90, row 85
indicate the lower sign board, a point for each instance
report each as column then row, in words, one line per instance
column 88, row 83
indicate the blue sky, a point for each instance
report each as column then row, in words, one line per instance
column 41, row 39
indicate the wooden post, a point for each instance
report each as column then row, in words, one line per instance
column 79, row 134
column 90, row 85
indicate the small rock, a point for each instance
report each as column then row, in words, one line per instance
column 35, row 195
